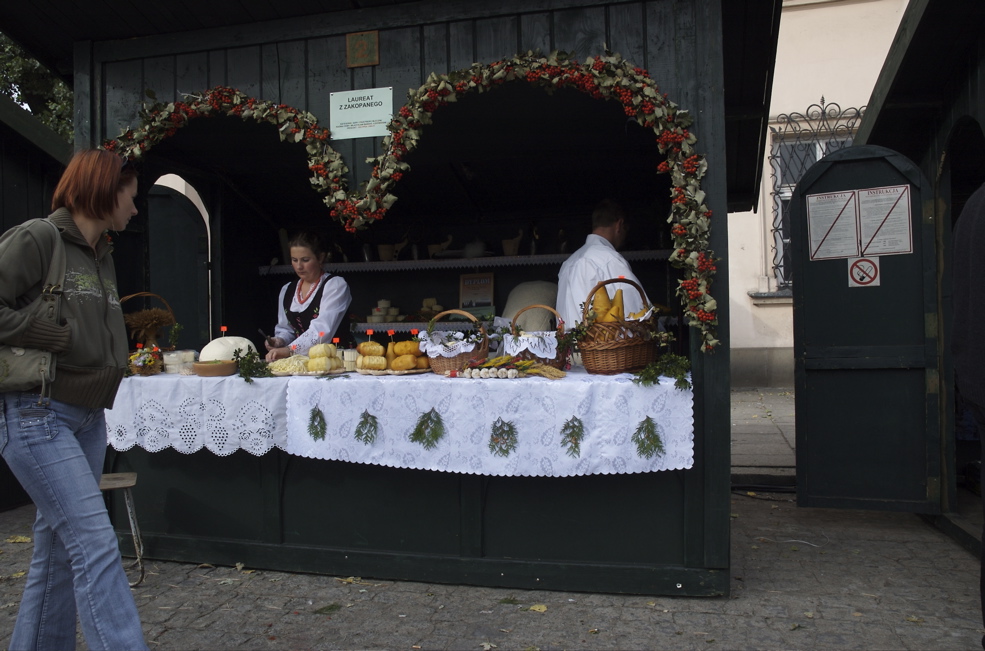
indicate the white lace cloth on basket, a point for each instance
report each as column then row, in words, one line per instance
column 611, row 408
column 188, row 413
column 540, row 344
column 444, row 344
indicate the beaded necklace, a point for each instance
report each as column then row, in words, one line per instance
column 311, row 290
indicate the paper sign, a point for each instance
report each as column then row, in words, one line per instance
column 863, row 272
column 858, row 223
column 832, row 221
column 360, row 113
column 884, row 216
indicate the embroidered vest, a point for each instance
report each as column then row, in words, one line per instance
column 301, row 321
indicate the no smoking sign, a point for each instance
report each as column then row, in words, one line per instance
column 863, row 272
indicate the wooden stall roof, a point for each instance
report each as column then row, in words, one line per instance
column 50, row 30
column 927, row 58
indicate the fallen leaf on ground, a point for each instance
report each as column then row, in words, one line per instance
column 18, row 539
column 240, row 566
column 17, row 575
column 227, row 581
column 809, row 615
column 539, row 608
column 914, row 619
column 856, row 614
column 488, row 645
column 794, row 627
column 329, row 609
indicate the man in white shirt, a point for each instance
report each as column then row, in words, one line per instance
column 595, row 261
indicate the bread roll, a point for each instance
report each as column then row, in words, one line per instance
column 407, row 348
column 390, row 355
column 423, row 362
column 370, row 348
column 322, row 350
column 371, row 362
column 404, row 363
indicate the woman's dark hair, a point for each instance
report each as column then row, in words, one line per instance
column 309, row 240
column 91, row 183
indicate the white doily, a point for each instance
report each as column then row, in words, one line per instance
column 541, row 344
column 445, row 344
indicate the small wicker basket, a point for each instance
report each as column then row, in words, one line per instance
column 145, row 324
column 560, row 360
column 441, row 364
column 617, row 346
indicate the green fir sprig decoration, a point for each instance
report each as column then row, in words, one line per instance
column 572, row 433
column 503, row 439
column 429, row 430
column 251, row 365
column 647, row 439
column 669, row 365
column 173, row 335
column 316, row 424
column 367, row 429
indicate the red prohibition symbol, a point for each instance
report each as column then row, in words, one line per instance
column 864, row 271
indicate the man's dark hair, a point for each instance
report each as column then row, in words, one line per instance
column 607, row 213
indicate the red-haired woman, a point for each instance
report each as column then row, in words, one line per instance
column 54, row 437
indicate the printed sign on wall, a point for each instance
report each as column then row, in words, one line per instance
column 859, row 223
column 361, row 113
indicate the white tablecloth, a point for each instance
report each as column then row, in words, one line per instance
column 188, row 413
column 225, row 414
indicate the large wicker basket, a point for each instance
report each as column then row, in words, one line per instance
column 561, row 358
column 441, row 364
column 148, row 335
column 617, row 346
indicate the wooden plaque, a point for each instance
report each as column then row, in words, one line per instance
column 362, row 49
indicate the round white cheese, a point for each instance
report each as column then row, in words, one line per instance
column 223, row 348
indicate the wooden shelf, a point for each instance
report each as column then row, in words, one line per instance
column 489, row 262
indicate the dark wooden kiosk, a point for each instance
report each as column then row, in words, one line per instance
column 488, row 167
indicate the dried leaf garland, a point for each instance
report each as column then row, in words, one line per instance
column 647, row 439
column 367, row 429
column 429, row 430
column 503, row 439
column 572, row 433
column 316, row 424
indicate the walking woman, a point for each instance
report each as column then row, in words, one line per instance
column 55, row 446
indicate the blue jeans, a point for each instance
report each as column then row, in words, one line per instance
column 57, row 453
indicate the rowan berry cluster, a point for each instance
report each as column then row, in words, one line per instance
column 704, row 316
column 690, row 286
column 705, row 263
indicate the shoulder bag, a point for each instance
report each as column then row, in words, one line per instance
column 26, row 368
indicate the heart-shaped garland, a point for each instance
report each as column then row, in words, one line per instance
column 605, row 77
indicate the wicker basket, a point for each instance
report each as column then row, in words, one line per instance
column 441, row 364
column 148, row 339
column 617, row 346
column 561, row 358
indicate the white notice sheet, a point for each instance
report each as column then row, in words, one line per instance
column 884, row 217
column 832, row 222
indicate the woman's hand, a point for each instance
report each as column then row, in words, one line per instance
column 274, row 342
column 278, row 353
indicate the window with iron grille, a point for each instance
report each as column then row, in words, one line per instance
column 798, row 141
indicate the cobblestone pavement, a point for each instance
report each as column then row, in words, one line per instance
column 801, row 579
